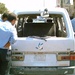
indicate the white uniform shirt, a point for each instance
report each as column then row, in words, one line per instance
column 7, row 33
column 73, row 24
column 1, row 20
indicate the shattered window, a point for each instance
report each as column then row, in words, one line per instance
column 35, row 25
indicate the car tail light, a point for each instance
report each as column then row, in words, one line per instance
column 60, row 58
column 72, row 56
column 17, row 56
column 66, row 56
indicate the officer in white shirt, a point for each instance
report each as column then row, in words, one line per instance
column 73, row 24
column 8, row 36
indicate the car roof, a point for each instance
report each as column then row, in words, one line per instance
column 53, row 10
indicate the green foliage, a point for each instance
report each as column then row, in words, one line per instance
column 3, row 8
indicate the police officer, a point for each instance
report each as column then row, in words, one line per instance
column 8, row 36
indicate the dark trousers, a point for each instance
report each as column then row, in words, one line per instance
column 3, row 61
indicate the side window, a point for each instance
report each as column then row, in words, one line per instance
column 20, row 27
column 62, row 29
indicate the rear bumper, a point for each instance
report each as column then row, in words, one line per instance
column 42, row 70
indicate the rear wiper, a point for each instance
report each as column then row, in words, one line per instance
column 38, row 37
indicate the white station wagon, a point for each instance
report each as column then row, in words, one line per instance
column 45, row 44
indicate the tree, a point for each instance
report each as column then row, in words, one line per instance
column 3, row 8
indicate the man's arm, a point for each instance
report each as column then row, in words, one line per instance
column 7, row 45
column 13, row 37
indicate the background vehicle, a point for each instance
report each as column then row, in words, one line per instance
column 45, row 45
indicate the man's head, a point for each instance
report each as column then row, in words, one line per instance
column 12, row 18
column 4, row 16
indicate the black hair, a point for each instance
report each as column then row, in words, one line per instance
column 4, row 15
column 11, row 17
column 71, row 17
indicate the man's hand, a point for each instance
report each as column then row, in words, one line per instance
column 7, row 45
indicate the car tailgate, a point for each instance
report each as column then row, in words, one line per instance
column 39, row 52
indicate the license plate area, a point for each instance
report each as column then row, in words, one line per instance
column 40, row 57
